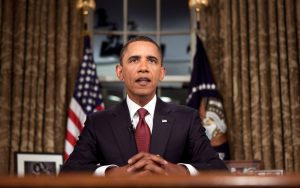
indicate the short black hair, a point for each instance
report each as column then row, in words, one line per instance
column 140, row 38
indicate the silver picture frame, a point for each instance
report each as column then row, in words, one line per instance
column 35, row 164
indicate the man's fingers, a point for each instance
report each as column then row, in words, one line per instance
column 137, row 157
column 146, row 165
column 139, row 164
column 117, row 171
column 143, row 173
column 155, row 169
column 176, row 169
column 158, row 159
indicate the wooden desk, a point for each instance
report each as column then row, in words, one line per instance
column 203, row 180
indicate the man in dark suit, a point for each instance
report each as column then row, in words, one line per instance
column 161, row 138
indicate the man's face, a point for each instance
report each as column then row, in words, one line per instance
column 141, row 70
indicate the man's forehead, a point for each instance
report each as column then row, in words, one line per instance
column 142, row 43
column 142, row 46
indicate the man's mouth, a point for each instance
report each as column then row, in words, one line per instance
column 143, row 80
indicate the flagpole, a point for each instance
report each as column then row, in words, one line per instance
column 86, row 7
column 198, row 5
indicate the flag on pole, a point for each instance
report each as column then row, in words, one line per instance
column 86, row 98
column 204, row 96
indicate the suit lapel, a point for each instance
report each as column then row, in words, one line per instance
column 162, row 126
column 121, row 126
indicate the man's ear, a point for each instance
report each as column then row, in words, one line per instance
column 119, row 70
column 162, row 73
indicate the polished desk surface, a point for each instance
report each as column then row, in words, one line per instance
column 203, row 180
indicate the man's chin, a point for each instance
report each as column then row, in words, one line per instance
column 144, row 94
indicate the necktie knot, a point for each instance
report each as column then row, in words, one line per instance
column 142, row 112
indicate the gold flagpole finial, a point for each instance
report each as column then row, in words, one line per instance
column 198, row 5
column 86, row 6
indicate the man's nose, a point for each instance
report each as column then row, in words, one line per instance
column 143, row 65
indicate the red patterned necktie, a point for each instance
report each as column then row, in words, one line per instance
column 142, row 132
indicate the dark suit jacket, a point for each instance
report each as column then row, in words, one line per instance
column 177, row 136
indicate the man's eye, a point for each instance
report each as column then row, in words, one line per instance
column 133, row 60
column 153, row 61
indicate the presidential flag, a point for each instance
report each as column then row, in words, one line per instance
column 86, row 98
column 204, row 96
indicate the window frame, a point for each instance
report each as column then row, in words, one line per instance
column 170, row 80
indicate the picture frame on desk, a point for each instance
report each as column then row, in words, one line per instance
column 35, row 164
column 243, row 166
column 271, row 172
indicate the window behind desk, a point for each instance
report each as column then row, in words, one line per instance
column 165, row 21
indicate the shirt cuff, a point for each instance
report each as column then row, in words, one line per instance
column 192, row 170
column 100, row 171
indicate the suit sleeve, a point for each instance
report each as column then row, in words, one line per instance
column 84, row 157
column 201, row 154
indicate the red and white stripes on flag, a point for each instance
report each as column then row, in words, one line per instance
column 86, row 99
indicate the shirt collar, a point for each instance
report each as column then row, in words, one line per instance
column 133, row 107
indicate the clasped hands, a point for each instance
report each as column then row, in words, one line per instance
column 143, row 164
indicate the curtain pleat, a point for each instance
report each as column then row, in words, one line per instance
column 297, row 127
column 293, row 68
column 227, row 89
column 61, row 66
column 27, row 78
column 18, row 72
column 35, row 34
column 254, row 80
column 48, row 125
column 40, row 87
column 284, row 85
column 275, row 85
column 237, row 88
column 5, row 83
column 245, row 81
column 264, row 83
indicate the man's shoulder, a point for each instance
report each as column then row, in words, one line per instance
column 182, row 108
column 109, row 111
column 174, row 107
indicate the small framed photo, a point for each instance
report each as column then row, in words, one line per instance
column 34, row 164
column 243, row 166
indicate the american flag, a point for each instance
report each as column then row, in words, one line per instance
column 86, row 98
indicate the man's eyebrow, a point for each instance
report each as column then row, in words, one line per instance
column 134, row 57
column 152, row 57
